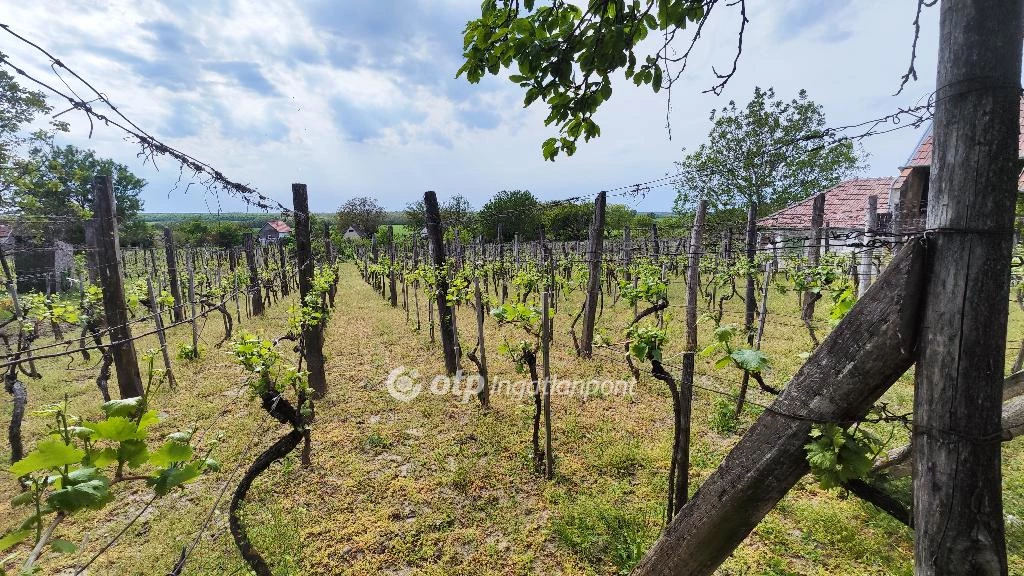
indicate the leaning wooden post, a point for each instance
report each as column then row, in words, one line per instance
column 161, row 337
column 868, row 351
column 958, row 511
column 312, row 336
column 444, row 310
column 682, row 479
column 867, row 253
column 122, row 347
column 254, row 276
column 177, row 312
column 594, row 250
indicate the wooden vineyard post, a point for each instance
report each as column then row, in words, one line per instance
column 749, row 301
column 177, row 313
column 190, row 262
column 515, row 251
column 681, row 489
column 312, row 336
column 416, row 282
column 392, row 285
column 332, row 260
column 284, row 268
column 233, row 269
column 161, row 337
column 444, row 310
column 479, row 355
column 867, row 254
column 122, row 347
column 958, row 510
column 810, row 298
column 91, row 262
column 545, row 355
column 655, row 244
column 594, row 251
column 254, row 276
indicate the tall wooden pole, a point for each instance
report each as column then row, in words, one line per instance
column 254, row 275
column 177, row 311
column 958, row 509
column 126, row 362
column 682, row 485
column 444, row 310
column 594, row 250
column 312, row 336
column 866, row 256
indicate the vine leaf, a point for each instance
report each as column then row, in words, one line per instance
column 750, row 360
column 92, row 494
column 125, row 407
column 14, row 537
column 63, row 546
column 50, row 453
column 170, row 453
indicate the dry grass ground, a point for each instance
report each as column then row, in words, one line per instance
column 436, row 486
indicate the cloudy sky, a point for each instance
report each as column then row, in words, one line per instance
column 359, row 97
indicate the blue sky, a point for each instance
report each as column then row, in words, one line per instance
column 359, row 97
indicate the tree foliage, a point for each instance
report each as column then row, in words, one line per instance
column 769, row 152
column 565, row 221
column 516, row 211
column 363, row 212
column 18, row 109
column 564, row 55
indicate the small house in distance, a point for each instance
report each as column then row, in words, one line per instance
column 274, row 231
column 353, row 233
column 845, row 208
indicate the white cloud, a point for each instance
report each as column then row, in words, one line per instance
column 363, row 99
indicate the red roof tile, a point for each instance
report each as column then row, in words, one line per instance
column 279, row 226
column 844, row 205
column 922, row 155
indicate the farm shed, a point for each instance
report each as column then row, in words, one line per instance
column 274, row 231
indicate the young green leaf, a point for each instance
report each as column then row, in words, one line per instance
column 50, row 453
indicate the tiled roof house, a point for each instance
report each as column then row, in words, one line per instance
column 902, row 200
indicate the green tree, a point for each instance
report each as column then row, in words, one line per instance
column 362, row 212
column 769, row 152
column 565, row 55
column 193, row 232
column 227, row 234
column 136, row 233
column 18, row 108
column 415, row 216
column 458, row 213
column 617, row 217
column 59, row 184
column 516, row 211
column 567, row 220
